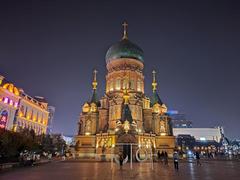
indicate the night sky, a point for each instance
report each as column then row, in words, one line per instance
column 51, row 48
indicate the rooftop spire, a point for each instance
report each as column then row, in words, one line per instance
column 94, row 83
column 94, row 87
column 125, row 25
column 155, row 98
column 154, row 83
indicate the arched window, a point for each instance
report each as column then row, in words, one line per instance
column 125, row 84
column 139, row 88
column 111, row 86
column 132, row 85
column 118, row 84
column 88, row 126
column 3, row 119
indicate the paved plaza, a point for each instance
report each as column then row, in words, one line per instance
column 69, row 170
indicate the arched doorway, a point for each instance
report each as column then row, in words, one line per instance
column 125, row 148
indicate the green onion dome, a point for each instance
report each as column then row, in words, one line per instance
column 124, row 49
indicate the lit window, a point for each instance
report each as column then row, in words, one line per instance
column 125, row 84
column 132, row 84
column 202, row 139
column 118, row 84
column 5, row 100
column 139, row 88
column 15, row 104
column 111, row 86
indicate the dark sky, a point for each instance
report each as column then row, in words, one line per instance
column 50, row 49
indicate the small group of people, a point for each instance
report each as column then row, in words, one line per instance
column 176, row 159
column 27, row 158
column 163, row 157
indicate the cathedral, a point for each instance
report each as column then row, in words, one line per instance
column 124, row 115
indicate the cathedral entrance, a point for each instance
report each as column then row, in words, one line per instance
column 127, row 151
column 131, row 152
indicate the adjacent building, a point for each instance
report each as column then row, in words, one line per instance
column 179, row 120
column 201, row 134
column 9, row 103
column 19, row 110
column 204, row 140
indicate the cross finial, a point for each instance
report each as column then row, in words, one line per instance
column 95, row 75
column 94, row 83
column 125, row 25
column 154, row 83
column 154, row 75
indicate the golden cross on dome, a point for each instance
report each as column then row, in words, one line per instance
column 154, row 75
column 154, row 83
column 125, row 25
column 95, row 75
column 94, row 83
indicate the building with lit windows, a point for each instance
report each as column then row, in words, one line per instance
column 9, row 103
column 179, row 120
column 125, row 114
column 19, row 110
column 201, row 134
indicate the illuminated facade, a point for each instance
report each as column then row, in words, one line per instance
column 124, row 114
column 19, row 110
column 9, row 102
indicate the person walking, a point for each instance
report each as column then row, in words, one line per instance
column 165, row 158
column 121, row 161
column 175, row 160
column 198, row 158
column 159, row 156
column 162, row 157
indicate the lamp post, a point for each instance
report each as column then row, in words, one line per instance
column 131, row 157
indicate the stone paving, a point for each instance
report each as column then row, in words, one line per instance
column 68, row 170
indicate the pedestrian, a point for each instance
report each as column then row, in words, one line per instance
column 64, row 157
column 198, row 158
column 175, row 160
column 121, row 161
column 159, row 156
column 162, row 157
column 165, row 158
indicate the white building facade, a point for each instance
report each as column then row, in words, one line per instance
column 201, row 134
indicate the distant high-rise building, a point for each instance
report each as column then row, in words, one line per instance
column 51, row 111
column 179, row 120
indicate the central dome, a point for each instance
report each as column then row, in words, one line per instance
column 124, row 49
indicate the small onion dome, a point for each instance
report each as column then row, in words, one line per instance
column 124, row 49
column 86, row 107
column 11, row 88
column 164, row 108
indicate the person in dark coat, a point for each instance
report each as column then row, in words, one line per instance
column 165, row 158
column 121, row 161
column 159, row 155
column 175, row 160
column 198, row 158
